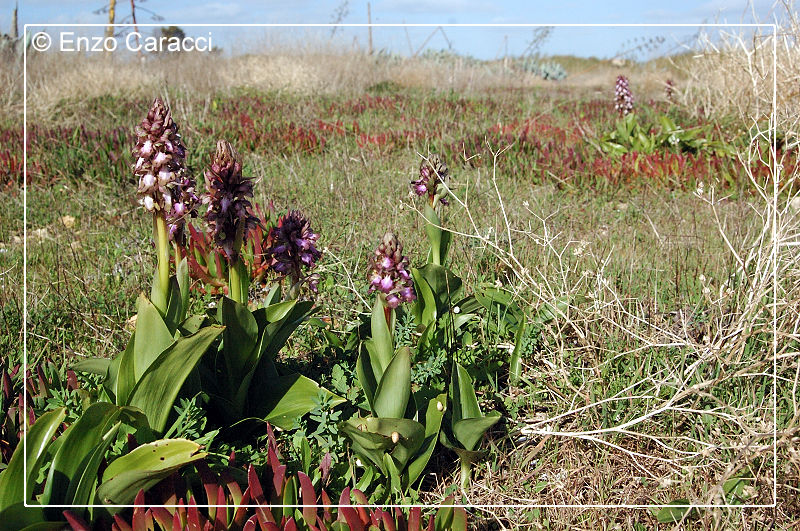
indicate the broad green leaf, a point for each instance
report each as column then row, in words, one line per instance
column 78, row 443
column 17, row 516
column 470, row 431
column 382, row 339
column 424, row 308
column 276, row 312
column 394, row 387
column 465, row 403
column 287, row 398
column 372, row 438
column 444, row 284
column 83, row 486
column 93, row 365
column 238, row 339
column 26, row 465
column 144, row 467
column 154, row 337
column 156, row 391
column 174, row 314
column 433, row 230
column 515, row 362
column 365, row 373
column 433, row 422
column 675, row 511
column 276, row 334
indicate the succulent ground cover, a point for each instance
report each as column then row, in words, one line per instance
column 403, row 296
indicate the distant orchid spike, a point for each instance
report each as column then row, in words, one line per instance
column 390, row 273
column 229, row 215
column 432, row 173
column 669, row 91
column 623, row 98
column 160, row 167
column 292, row 248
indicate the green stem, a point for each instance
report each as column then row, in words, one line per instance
column 234, row 282
column 466, row 472
column 161, row 295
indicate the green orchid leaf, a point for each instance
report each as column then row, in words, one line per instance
column 154, row 336
column 444, row 284
column 157, row 389
column 77, row 444
column 144, row 467
column 365, row 373
column 20, row 467
column 515, row 362
column 287, row 398
column 17, row 516
column 394, row 387
column 470, row 431
column 277, row 333
column 382, row 340
column 433, row 230
column 372, row 439
column 238, row 339
column 425, row 307
column 462, row 394
column 93, row 365
column 434, row 412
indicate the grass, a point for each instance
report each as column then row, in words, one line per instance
column 661, row 314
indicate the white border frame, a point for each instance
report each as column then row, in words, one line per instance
column 773, row 131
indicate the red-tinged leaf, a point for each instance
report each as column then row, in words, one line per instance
column 177, row 522
column 240, row 513
column 7, row 387
column 72, row 380
column 326, row 502
column 320, row 525
column 232, row 458
column 375, row 517
column 250, row 525
column 122, row 525
column 309, row 497
column 210, row 485
column 431, row 524
column 325, row 467
column 221, row 520
column 257, row 494
column 76, row 522
column 278, row 472
column 360, row 497
column 233, row 487
column 400, row 518
column 388, row 521
column 290, row 525
column 132, row 444
column 162, row 516
column 139, row 522
column 347, row 513
column 193, row 517
column 414, row 519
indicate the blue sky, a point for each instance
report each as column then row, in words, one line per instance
column 485, row 43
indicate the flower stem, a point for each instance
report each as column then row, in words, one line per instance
column 466, row 472
column 161, row 295
column 235, row 282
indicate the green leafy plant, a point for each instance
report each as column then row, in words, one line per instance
column 72, row 463
column 245, row 360
column 465, row 422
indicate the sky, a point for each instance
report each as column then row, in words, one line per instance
column 483, row 43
